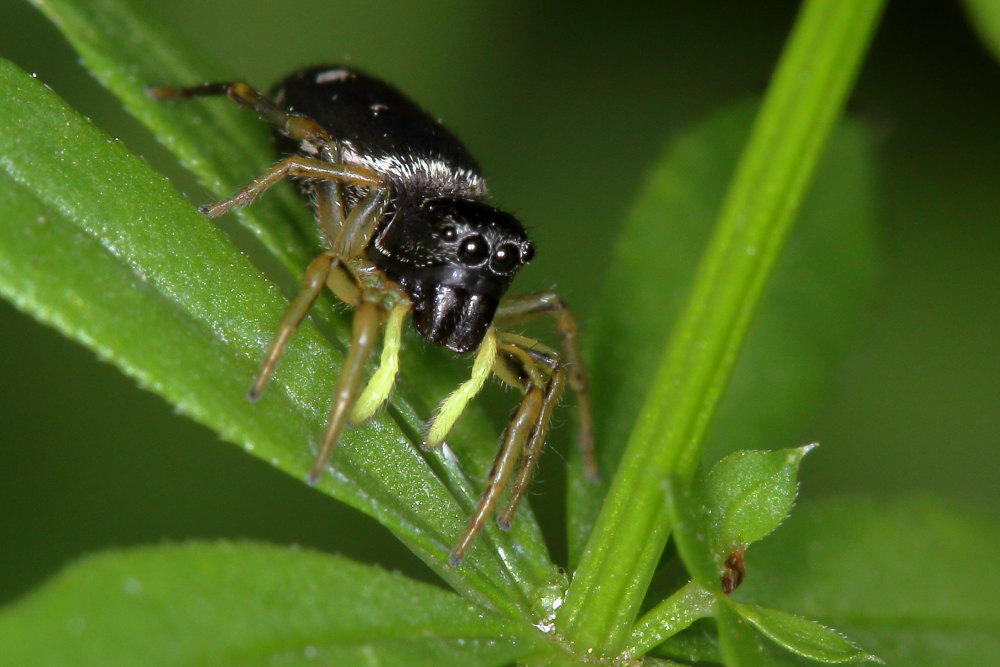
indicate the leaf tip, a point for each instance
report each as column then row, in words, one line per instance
column 805, row 449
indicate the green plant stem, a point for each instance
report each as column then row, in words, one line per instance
column 807, row 93
column 669, row 617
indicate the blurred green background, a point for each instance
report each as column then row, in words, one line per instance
column 541, row 91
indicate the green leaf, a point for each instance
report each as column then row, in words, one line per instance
column 742, row 646
column 749, row 494
column 985, row 16
column 802, row 636
column 908, row 578
column 742, row 499
column 806, row 96
column 691, row 603
column 697, row 644
column 98, row 245
column 226, row 147
column 249, row 604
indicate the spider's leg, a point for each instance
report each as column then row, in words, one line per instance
column 331, row 216
column 450, row 409
column 526, row 307
column 369, row 300
column 518, row 431
column 294, row 166
column 552, row 391
column 345, row 278
column 312, row 284
column 329, row 205
column 295, row 126
column 361, row 223
column 364, row 332
column 326, row 269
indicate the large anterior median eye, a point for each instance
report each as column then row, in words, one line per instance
column 506, row 258
column 473, row 250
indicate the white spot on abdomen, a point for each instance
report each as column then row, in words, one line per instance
column 338, row 74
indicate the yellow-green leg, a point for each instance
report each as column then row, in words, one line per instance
column 380, row 385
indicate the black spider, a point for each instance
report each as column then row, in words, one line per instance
column 400, row 204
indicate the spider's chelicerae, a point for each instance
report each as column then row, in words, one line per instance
column 401, row 206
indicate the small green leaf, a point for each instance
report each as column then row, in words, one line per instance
column 699, row 643
column 802, row 636
column 749, row 494
column 249, row 604
column 742, row 499
column 742, row 646
column 691, row 603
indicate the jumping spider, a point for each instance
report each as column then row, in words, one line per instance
column 400, row 204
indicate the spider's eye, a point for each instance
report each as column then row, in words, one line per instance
column 527, row 253
column 506, row 258
column 449, row 233
column 473, row 250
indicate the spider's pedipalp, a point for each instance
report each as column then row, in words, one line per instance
column 380, row 385
column 453, row 406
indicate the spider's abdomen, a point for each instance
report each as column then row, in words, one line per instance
column 380, row 128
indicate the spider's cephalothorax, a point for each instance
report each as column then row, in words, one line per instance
column 400, row 204
column 454, row 258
